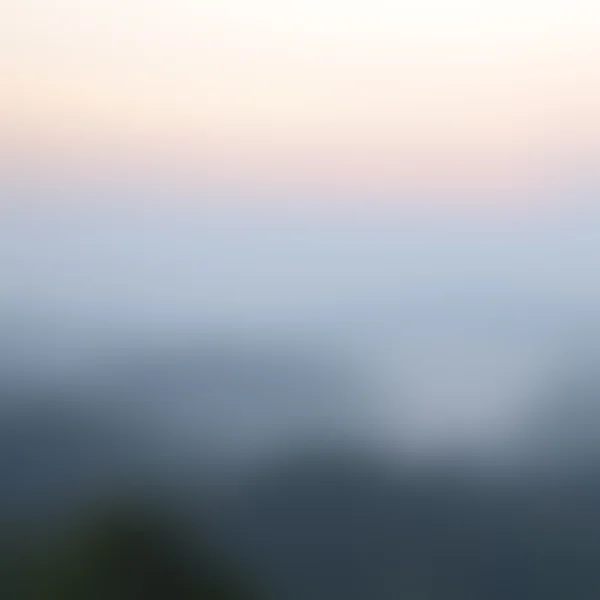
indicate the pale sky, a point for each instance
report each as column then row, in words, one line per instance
column 365, row 93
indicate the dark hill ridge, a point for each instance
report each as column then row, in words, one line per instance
column 311, row 516
column 353, row 528
column 164, row 413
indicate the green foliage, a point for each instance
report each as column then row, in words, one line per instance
column 127, row 554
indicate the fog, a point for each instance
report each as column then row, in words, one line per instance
column 451, row 326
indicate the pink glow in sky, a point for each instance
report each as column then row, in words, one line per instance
column 360, row 95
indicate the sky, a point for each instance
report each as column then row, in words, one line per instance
column 466, row 107
column 358, row 99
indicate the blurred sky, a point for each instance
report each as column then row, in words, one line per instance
column 458, row 100
column 122, row 120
